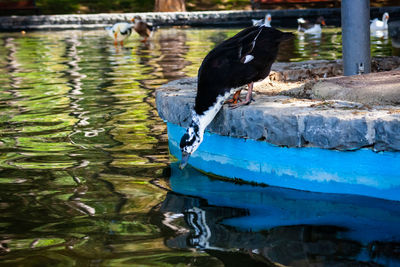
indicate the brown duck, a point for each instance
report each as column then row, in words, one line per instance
column 142, row 28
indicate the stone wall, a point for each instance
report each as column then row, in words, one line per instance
column 282, row 18
column 294, row 122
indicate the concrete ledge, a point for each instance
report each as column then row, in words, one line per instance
column 381, row 88
column 305, row 70
column 282, row 18
column 294, row 122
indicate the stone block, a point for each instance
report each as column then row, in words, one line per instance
column 387, row 135
column 335, row 132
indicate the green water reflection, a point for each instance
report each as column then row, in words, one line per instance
column 82, row 149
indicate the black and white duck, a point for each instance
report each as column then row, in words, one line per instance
column 241, row 60
column 120, row 32
column 308, row 27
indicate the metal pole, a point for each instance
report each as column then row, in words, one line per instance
column 355, row 37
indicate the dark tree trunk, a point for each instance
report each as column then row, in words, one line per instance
column 169, row 5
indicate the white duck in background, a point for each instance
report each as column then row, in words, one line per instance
column 308, row 27
column 266, row 21
column 120, row 31
column 380, row 25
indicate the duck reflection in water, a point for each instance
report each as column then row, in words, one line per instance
column 244, row 225
column 287, row 245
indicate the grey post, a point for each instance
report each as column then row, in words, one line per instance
column 355, row 37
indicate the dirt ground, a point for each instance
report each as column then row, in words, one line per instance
column 323, row 80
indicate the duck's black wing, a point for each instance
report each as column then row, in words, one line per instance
column 239, row 35
column 244, row 58
column 127, row 31
column 216, row 68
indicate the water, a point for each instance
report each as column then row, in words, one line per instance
column 84, row 161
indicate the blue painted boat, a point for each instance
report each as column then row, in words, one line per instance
column 360, row 172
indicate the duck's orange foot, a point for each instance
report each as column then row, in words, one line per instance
column 249, row 97
column 244, row 103
column 232, row 101
column 235, row 99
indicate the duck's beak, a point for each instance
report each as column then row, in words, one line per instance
column 133, row 19
column 323, row 23
column 184, row 160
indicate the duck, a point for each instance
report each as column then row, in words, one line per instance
column 308, row 27
column 120, row 32
column 380, row 25
column 240, row 60
column 144, row 29
column 266, row 21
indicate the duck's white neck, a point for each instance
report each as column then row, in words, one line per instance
column 267, row 23
column 385, row 19
column 267, row 20
column 202, row 121
column 195, row 132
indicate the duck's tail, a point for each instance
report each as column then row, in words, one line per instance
column 301, row 21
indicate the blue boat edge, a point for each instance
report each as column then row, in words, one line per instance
column 360, row 172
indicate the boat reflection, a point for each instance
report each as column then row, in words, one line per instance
column 249, row 224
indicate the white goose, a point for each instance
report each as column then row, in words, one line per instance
column 380, row 25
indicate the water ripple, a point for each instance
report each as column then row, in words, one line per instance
column 81, row 143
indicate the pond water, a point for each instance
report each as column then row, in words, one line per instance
column 84, row 163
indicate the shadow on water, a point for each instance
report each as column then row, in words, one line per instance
column 83, row 151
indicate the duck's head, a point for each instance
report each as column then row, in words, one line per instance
column 385, row 16
column 321, row 20
column 268, row 17
column 136, row 19
column 190, row 141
